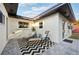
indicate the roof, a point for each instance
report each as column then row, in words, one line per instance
column 11, row 8
column 12, row 11
column 63, row 8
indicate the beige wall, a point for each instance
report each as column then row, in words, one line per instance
column 3, row 34
column 50, row 23
column 68, row 32
column 13, row 27
column 53, row 23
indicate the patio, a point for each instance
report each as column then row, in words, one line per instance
column 24, row 47
column 35, row 48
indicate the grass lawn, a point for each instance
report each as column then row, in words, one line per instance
column 74, row 36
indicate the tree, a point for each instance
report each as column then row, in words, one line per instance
column 78, row 21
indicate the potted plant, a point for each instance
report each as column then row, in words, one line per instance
column 33, row 29
column 34, row 32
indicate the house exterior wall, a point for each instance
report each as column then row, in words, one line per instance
column 3, row 30
column 67, row 31
column 13, row 27
column 54, row 24
column 50, row 23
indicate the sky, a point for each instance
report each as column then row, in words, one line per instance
column 33, row 9
column 75, row 7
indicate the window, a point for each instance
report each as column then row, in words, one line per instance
column 41, row 25
column 23, row 24
column 2, row 17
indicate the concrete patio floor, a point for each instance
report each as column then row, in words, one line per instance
column 62, row 48
column 11, row 48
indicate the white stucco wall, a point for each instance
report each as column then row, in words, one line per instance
column 3, row 33
column 68, row 32
column 53, row 23
column 50, row 23
column 13, row 27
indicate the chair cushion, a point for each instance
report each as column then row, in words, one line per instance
column 34, row 39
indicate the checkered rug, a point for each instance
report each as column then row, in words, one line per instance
column 34, row 47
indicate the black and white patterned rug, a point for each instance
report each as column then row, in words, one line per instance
column 34, row 47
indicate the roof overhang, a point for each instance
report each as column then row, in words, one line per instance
column 12, row 8
column 64, row 8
